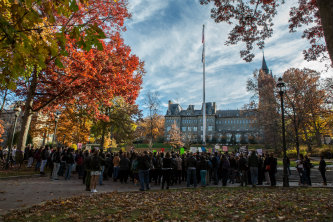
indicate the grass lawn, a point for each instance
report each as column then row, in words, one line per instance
column 207, row 204
column 293, row 162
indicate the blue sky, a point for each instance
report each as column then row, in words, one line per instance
column 166, row 35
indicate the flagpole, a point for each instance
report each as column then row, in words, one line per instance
column 204, row 88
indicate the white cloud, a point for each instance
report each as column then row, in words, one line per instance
column 141, row 10
column 167, row 36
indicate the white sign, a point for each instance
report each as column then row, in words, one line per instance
column 199, row 149
column 242, row 149
column 193, row 149
column 259, row 151
column 217, row 147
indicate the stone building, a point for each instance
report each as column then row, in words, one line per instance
column 223, row 126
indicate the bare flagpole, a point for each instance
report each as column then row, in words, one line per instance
column 204, row 89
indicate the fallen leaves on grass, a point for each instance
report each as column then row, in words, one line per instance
column 212, row 204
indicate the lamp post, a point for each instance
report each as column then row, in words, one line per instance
column 281, row 85
column 17, row 111
column 56, row 118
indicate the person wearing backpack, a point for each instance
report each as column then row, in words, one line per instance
column 95, row 167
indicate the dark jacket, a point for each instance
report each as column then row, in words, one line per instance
column 69, row 158
column 167, row 163
column 56, row 157
column 191, row 162
column 143, row 162
column 253, row 161
column 273, row 164
column 45, row 154
column 203, row 164
column 242, row 164
column 322, row 165
column 124, row 164
column 95, row 163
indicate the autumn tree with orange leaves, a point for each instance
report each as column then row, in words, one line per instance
column 144, row 130
column 74, row 125
column 91, row 76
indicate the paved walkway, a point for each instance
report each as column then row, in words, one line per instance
column 25, row 192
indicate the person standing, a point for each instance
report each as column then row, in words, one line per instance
column 166, row 170
column 243, row 167
column 216, row 164
column 124, row 167
column 69, row 163
column 203, row 167
column 191, row 163
column 102, row 162
column 307, row 170
column 87, row 170
column 224, row 169
column 253, row 164
column 273, row 169
column 143, row 167
column 267, row 167
column 116, row 161
column 56, row 163
column 322, row 169
column 95, row 167
column 44, row 156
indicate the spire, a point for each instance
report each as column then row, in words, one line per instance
column 264, row 65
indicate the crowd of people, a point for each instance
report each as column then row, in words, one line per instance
column 163, row 169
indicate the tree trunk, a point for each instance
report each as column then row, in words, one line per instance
column 44, row 137
column 307, row 140
column 26, row 120
column 103, row 136
column 326, row 15
column 3, row 101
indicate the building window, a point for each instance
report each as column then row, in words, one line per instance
column 168, row 128
column 210, row 128
column 201, row 128
column 183, row 128
column 189, row 129
column 195, row 129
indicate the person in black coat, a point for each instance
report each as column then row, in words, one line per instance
column 166, row 170
column 203, row 167
column 307, row 170
column 143, row 167
column 124, row 168
column 322, row 169
column 243, row 168
column 273, row 169
column 191, row 164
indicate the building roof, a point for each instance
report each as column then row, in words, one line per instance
column 264, row 66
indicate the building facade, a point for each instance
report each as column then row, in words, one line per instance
column 223, row 126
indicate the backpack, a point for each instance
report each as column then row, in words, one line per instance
column 94, row 163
